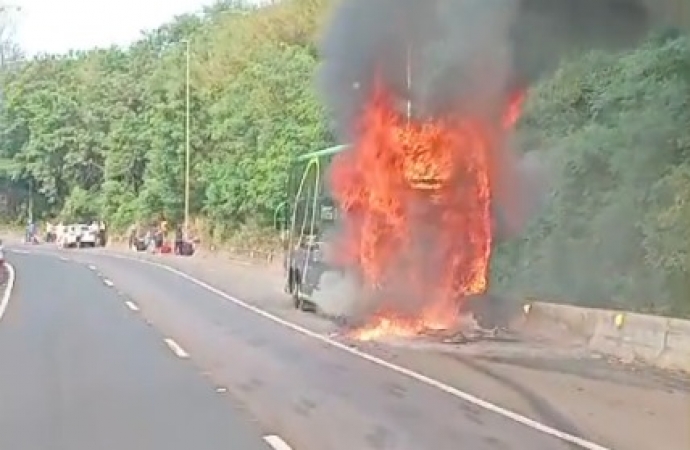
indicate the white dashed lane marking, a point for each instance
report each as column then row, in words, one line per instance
column 92, row 267
column 276, row 442
column 5, row 300
column 108, row 283
column 450, row 390
column 132, row 306
column 176, row 349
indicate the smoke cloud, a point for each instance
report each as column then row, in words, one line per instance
column 462, row 56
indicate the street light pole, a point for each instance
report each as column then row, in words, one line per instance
column 187, row 147
column 7, row 31
column 31, row 200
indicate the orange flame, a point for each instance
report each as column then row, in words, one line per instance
column 417, row 197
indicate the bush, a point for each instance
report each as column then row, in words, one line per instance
column 615, row 231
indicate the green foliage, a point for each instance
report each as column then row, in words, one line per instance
column 616, row 229
column 102, row 133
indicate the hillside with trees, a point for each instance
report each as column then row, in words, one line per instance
column 102, row 133
column 615, row 228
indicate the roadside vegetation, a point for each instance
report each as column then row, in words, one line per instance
column 102, row 134
column 615, row 230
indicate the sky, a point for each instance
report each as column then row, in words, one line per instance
column 57, row 26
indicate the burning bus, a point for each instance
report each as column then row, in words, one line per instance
column 428, row 95
column 406, row 210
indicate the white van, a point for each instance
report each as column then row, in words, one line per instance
column 89, row 235
column 71, row 236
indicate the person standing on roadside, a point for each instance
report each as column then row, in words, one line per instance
column 158, row 240
column 133, row 236
column 179, row 240
column 148, row 239
column 31, row 232
column 50, row 232
column 102, row 235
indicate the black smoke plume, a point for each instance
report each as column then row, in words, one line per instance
column 463, row 54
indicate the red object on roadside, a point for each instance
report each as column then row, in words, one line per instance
column 166, row 249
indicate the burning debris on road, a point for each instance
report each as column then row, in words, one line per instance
column 428, row 94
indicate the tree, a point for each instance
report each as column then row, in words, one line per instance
column 105, row 129
column 614, row 232
column 102, row 133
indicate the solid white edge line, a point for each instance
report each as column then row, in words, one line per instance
column 176, row 349
column 108, row 283
column 462, row 395
column 5, row 301
column 132, row 305
column 276, row 442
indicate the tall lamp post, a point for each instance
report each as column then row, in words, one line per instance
column 187, row 147
column 7, row 30
column 31, row 200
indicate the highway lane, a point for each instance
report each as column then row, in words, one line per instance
column 314, row 395
column 561, row 384
column 80, row 371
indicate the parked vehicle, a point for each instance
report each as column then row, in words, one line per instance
column 88, row 236
column 71, row 237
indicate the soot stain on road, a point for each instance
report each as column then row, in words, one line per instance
column 304, row 406
column 380, row 438
column 395, row 390
column 541, row 406
column 631, row 374
column 251, row 385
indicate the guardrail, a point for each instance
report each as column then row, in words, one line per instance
column 659, row 341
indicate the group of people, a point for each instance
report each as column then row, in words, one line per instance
column 154, row 240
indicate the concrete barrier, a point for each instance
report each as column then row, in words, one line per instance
column 659, row 341
column 579, row 321
column 630, row 337
column 676, row 353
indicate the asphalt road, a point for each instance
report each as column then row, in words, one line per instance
column 315, row 396
column 80, row 371
column 319, row 397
